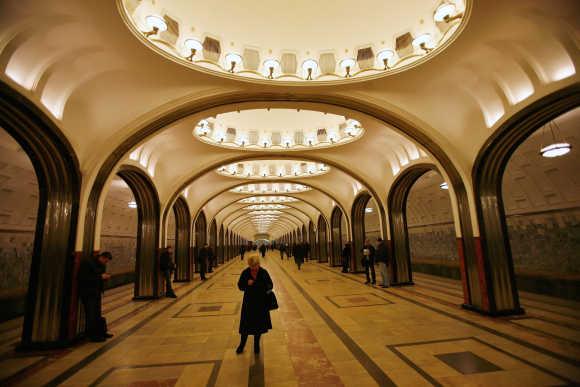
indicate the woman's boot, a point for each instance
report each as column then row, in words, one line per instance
column 243, row 340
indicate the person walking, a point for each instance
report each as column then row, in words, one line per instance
column 242, row 252
column 383, row 260
column 346, row 255
column 203, row 256
column 368, row 261
column 210, row 259
column 166, row 265
column 92, row 274
column 282, row 250
column 299, row 252
column 263, row 250
column 255, row 320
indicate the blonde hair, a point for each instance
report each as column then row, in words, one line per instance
column 253, row 259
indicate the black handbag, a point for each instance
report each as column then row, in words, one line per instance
column 271, row 299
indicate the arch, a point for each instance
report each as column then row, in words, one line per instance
column 304, row 235
column 212, row 102
column 148, row 209
column 358, row 229
column 51, row 301
column 397, row 208
column 183, row 271
column 200, row 230
column 220, row 252
column 311, row 240
column 322, row 240
column 213, row 243
column 336, row 236
column 497, row 265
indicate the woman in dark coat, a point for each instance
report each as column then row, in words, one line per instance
column 255, row 319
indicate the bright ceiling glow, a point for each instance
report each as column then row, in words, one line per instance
column 444, row 185
column 132, row 204
column 556, row 150
column 270, row 188
column 273, row 169
column 277, row 130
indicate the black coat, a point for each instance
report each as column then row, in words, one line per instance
column 255, row 318
column 299, row 253
column 90, row 277
column 382, row 254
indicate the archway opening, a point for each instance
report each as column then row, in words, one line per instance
column 200, row 228
column 18, row 214
column 322, row 240
column 541, row 202
column 430, row 227
column 119, row 232
column 182, row 243
column 359, row 218
column 337, row 241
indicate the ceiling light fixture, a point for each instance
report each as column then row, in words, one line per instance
column 444, row 185
column 156, row 24
column 347, row 64
column 132, row 204
column 423, row 42
column 446, row 12
column 558, row 147
column 309, row 67
column 384, row 57
column 272, row 65
column 193, row 45
column 233, row 60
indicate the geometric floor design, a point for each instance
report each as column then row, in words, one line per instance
column 330, row 330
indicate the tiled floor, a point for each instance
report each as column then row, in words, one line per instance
column 330, row 330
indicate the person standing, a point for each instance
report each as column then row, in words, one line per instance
column 346, row 255
column 263, row 250
column 255, row 320
column 203, row 256
column 282, row 250
column 242, row 252
column 166, row 265
column 210, row 259
column 299, row 252
column 383, row 260
column 92, row 274
column 368, row 261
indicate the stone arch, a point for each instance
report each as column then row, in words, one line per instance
column 200, row 230
column 51, row 301
column 322, row 240
column 182, row 249
column 148, row 208
column 336, row 236
column 358, row 229
column 501, row 295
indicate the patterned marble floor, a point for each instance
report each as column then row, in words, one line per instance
column 330, row 330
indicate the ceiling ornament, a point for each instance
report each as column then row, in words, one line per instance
column 273, row 169
column 171, row 28
column 268, row 199
column 277, row 130
column 270, row 188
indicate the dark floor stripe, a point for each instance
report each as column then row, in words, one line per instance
column 506, row 336
column 117, row 340
column 370, row 366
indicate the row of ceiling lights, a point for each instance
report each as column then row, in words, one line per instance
column 445, row 13
column 273, row 169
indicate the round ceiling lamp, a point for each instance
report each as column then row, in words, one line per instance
column 192, row 47
column 233, row 60
column 557, row 147
column 156, row 24
column 444, row 185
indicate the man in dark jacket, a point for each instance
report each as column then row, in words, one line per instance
column 263, row 250
column 368, row 261
column 282, row 250
column 92, row 273
column 383, row 260
column 166, row 265
column 346, row 255
column 203, row 255
column 299, row 253
column 242, row 252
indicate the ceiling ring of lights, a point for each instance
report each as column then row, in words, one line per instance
column 277, row 130
column 268, row 199
column 167, row 30
column 273, row 169
column 270, row 188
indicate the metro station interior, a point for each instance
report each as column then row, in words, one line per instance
column 446, row 128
